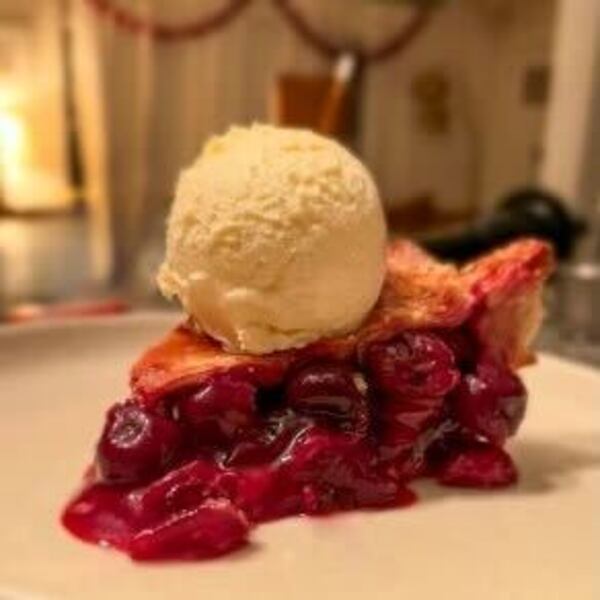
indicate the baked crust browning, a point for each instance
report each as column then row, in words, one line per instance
column 498, row 296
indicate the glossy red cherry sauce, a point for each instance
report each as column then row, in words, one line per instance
column 189, row 478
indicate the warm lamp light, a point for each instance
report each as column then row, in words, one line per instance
column 24, row 187
column 12, row 142
column 11, row 135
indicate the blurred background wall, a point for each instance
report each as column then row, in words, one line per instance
column 98, row 117
column 159, row 102
column 571, row 163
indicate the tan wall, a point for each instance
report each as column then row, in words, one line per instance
column 514, row 131
column 572, row 162
column 147, row 109
column 199, row 88
column 158, row 103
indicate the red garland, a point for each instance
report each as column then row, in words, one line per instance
column 397, row 41
column 166, row 32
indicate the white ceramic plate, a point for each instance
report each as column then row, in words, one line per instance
column 539, row 540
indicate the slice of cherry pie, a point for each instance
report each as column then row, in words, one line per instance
column 209, row 443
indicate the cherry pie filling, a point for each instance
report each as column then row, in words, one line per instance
column 188, row 476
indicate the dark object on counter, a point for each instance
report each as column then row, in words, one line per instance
column 526, row 212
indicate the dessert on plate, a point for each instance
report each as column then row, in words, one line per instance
column 320, row 369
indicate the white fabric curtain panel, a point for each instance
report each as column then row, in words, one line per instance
column 146, row 107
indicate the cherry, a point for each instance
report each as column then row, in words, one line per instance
column 219, row 410
column 183, row 488
column 266, row 442
column 403, row 421
column 211, row 529
column 414, row 364
column 135, row 444
column 461, row 345
column 189, row 486
column 329, row 393
column 259, row 491
column 414, row 413
column 97, row 514
column 479, row 466
column 490, row 402
column 338, row 471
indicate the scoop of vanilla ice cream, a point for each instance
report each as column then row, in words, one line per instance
column 275, row 239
